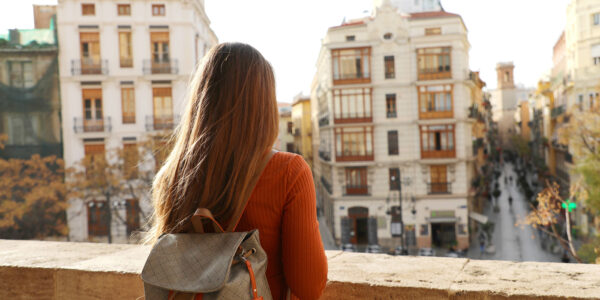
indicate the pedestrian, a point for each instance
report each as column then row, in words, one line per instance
column 510, row 200
column 481, row 246
column 510, row 178
column 222, row 162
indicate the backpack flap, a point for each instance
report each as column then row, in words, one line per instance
column 195, row 263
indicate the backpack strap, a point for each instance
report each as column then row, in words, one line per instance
column 236, row 217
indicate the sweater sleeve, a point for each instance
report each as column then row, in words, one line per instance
column 304, row 260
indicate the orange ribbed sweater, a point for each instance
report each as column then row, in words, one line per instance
column 282, row 207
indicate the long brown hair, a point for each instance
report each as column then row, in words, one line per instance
column 230, row 123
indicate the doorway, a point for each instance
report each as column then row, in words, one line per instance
column 359, row 227
column 443, row 235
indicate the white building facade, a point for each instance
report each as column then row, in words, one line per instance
column 393, row 134
column 124, row 71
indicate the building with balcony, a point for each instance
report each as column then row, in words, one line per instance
column 29, row 89
column 302, row 128
column 125, row 68
column 394, row 115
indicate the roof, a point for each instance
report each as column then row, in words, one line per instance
column 432, row 14
column 352, row 22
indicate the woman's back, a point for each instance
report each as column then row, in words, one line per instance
column 282, row 207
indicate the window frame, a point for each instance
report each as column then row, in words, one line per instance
column 342, row 98
column 128, row 117
column 392, row 139
column 88, row 9
column 429, row 102
column 395, row 184
column 391, row 106
column 126, row 62
column 389, row 64
column 447, row 151
column 344, row 139
column 159, row 10
column 126, row 10
column 435, row 71
column 362, row 76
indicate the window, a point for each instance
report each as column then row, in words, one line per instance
column 438, row 179
column 128, row 105
column 390, row 105
column 395, row 179
column 95, row 159
column 596, row 19
column 580, row 101
column 158, row 9
column 125, row 49
column 437, row 141
column 354, row 143
column 20, row 74
column 92, row 110
column 351, row 65
column 352, row 105
column 435, row 101
column 90, row 52
column 356, row 181
column 389, row 67
column 97, row 212
column 290, row 127
column 433, row 63
column 596, row 54
column 162, row 108
column 350, row 38
column 88, row 9
column 132, row 207
column 289, row 147
column 387, row 36
column 160, row 52
column 433, row 31
column 424, row 230
column 123, row 9
column 131, row 158
column 393, row 142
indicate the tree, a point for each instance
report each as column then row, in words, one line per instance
column 118, row 174
column 32, row 198
column 547, row 215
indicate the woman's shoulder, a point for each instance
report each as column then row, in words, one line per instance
column 290, row 162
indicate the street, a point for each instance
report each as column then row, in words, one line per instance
column 514, row 243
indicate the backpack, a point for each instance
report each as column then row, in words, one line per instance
column 207, row 266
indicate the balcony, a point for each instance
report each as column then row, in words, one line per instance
column 325, row 155
column 326, row 185
column 478, row 143
column 128, row 119
column 160, row 67
column 439, row 188
column 60, row 270
column 159, row 122
column 353, row 118
column 353, row 156
column 81, row 125
column 557, row 111
column 438, row 154
column 323, row 121
column 356, row 190
column 88, row 66
column 441, row 72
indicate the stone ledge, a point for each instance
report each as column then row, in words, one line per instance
column 58, row 270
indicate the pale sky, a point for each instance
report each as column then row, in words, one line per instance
column 289, row 33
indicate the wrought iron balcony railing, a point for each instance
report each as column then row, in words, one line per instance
column 326, row 185
column 325, row 155
column 81, row 125
column 434, row 188
column 161, row 122
column 89, row 66
column 169, row 66
column 323, row 120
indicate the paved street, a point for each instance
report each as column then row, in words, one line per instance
column 511, row 243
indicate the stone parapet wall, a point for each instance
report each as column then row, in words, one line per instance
column 59, row 270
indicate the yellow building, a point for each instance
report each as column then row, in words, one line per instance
column 302, row 128
column 285, row 138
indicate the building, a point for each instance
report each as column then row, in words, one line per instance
column 392, row 107
column 125, row 68
column 29, row 92
column 302, row 128
column 285, row 138
column 505, row 100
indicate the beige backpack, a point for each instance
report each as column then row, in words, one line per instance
column 207, row 266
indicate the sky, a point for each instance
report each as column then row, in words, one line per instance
column 288, row 33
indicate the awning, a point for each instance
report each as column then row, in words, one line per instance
column 442, row 220
column 478, row 217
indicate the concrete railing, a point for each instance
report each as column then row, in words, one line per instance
column 57, row 270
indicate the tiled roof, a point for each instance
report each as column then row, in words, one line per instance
column 432, row 14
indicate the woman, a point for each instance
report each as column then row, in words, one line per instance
column 225, row 137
